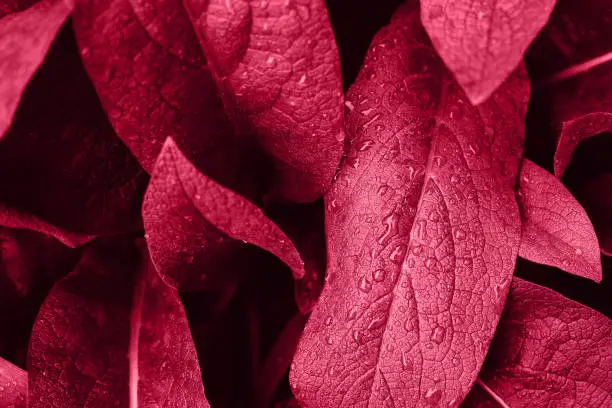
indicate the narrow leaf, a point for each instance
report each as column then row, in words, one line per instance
column 277, row 69
column 423, row 233
column 191, row 221
column 549, row 351
column 483, row 41
column 113, row 334
column 25, row 39
column 13, row 385
column 556, row 230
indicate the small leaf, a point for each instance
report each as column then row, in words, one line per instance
column 13, row 385
column 556, row 230
column 548, row 351
column 113, row 334
column 25, row 39
column 278, row 72
column 190, row 220
column 422, row 230
column 483, row 41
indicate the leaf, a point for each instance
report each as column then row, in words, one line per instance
column 12, row 218
column 277, row 69
column 556, row 230
column 148, row 69
column 193, row 224
column 549, row 351
column 483, row 42
column 13, row 385
column 423, row 232
column 113, row 334
column 61, row 163
column 25, row 39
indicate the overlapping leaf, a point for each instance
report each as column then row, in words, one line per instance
column 556, row 230
column 278, row 72
column 113, row 334
column 548, row 352
column 194, row 225
column 147, row 66
column 483, row 41
column 25, row 39
column 423, row 232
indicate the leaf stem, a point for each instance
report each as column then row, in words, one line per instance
column 492, row 393
column 575, row 70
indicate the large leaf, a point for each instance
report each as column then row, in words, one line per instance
column 483, row 41
column 423, row 232
column 194, row 225
column 112, row 334
column 13, row 385
column 61, row 165
column 147, row 66
column 25, row 39
column 556, row 230
column 277, row 68
column 549, row 351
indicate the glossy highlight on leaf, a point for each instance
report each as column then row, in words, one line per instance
column 548, row 351
column 483, row 41
column 556, row 230
column 423, row 232
column 190, row 220
column 25, row 39
column 277, row 69
column 13, row 385
column 112, row 334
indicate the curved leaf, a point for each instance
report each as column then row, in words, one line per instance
column 194, row 225
column 423, row 232
column 556, row 229
column 113, row 334
column 25, row 39
column 483, row 41
column 13, row 385
column 548, row 351
column 277, row 68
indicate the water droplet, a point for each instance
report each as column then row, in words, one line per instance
column 455, row 112
column 460, row 235
column 454, row 179
column 578, row 251
column 365, row 285
column 417, row 250
column 198, row 197
column 433, row 396
column 382, row 190
column 329, row 340
column 456, row 361
column 271, row 61
column 379, row 128
column 437, row 334
column 397, row 255
column 526, row 178
column 328, row 320
column 340, row 136
column 365, row 145
column 349, row 105
column 565, row 263
column 390, row 347
column 434, row 216
column 431, row 263
column 302, row 80
column 411, row 262
column 379, row 275
column 357, row 336
column 438, row 161
column 332, row 372
column 352, row 314
column 390, row 222
column 406, row 363
column 422, row 229
column 409, row 325
column 377, row 322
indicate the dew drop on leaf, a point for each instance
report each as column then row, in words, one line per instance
column 437, row 334
column 365, row 285
column 433, row 396
column 379, row 275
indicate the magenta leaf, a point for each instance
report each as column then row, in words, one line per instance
column 148, row 69
column 548, row 351
column 61, row 162
column 483, row 41
column 423, row 233
column 25, row 39
column 112, row 334
column 556, row 229
column 13, row 385
column 191, row 221
column 277, row 68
